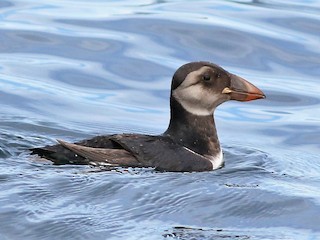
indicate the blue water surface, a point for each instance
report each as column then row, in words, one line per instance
column 74, row 69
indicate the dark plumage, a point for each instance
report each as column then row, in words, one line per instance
column 189, row 144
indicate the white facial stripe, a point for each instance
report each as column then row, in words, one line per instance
column 194, row 97
column 191, row 78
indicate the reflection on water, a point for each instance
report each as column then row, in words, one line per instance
column 74, row 69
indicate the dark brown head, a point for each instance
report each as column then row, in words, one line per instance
column 201, row 86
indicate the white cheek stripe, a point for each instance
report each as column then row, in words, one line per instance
column 217, row 161
column 195, row 100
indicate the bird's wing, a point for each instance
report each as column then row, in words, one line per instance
column 162, row 153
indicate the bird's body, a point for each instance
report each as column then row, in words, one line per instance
column 189, row 144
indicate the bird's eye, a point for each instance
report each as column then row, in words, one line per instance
column 206, row 77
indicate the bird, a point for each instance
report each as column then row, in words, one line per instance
column 189, row 144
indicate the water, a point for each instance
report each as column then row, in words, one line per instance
column 74, row 69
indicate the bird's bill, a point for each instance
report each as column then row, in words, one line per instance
column 242, row 90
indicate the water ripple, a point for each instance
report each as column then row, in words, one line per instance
column 74, row 69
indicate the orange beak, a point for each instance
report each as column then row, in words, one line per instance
column 241, row 90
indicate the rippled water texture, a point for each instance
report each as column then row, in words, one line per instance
column 73, row 69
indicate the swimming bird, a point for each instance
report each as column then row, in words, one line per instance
column 190, row 143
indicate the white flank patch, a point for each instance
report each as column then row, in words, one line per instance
column 217, row 161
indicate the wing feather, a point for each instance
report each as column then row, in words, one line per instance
column 103, row 155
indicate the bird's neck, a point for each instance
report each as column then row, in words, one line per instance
column 198, row 133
